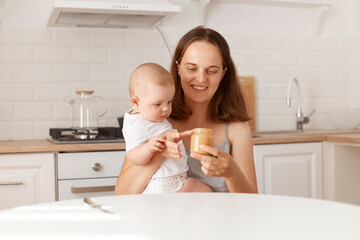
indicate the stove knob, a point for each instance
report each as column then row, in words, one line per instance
column 96, row 167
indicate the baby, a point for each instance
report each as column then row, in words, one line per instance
column 145, row 126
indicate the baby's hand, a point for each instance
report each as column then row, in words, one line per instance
column 156, row 143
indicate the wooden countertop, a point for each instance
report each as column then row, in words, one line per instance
column 271, row 137
column 32, row 146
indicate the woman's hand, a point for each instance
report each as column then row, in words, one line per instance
column 219, row 164
column 172, row 148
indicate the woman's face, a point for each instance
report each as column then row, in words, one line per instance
column 200, row 71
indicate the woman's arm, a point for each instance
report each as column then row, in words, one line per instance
column 238, row 167
column 244, row 177
column 134, row 178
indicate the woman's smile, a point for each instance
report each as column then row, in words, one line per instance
column 199, row 88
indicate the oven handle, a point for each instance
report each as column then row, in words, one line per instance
column 92, row 189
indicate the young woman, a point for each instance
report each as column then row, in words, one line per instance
column 206, row 96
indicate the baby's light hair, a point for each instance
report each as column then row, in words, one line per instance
column 148, row 73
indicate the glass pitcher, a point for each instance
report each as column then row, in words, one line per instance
column 85, row 114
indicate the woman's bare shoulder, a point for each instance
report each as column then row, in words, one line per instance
column 239, row 130
column 243, row 126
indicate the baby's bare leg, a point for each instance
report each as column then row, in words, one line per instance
column 192, row 185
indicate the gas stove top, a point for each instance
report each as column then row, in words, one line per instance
column 94, row 135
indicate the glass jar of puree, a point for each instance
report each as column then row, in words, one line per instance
column 201, row 136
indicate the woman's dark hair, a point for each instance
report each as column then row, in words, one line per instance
column 227, row 104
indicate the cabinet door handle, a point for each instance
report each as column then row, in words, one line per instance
column 92, row 189
column 11, row 183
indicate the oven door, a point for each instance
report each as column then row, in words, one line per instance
column 79, row 188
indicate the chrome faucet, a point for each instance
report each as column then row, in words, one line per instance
column 300, row 118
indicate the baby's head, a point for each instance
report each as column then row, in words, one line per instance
column 151, row 90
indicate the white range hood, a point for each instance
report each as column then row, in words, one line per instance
column 111, row 13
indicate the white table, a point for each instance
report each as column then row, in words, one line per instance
column 185, row 216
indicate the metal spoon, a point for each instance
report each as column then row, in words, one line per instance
column 93, row 204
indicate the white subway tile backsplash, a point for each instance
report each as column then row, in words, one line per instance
column 269, row 42
column 173, row 36
column 71, row 73
column 107, row 73
column 7, row 112
column 117, row 109
column 33, row 73
column 143, row 38
column 52, row 92
column 323, row 75
column 245, row 70
column 158, row 55
column 297, row 43
column 337, row 59
column 356, row 43
column 6, row 73
column 33, row 111
column 34, row 35
column 107, row 37
column 345, row 75
column 128, row 71
column 262, row 122
column 8, row 35
column 261, row 90
column 324, row 43
column 268, row 74
column 52, row 54
column 16, row 130
column 119, row 92
column 301, row 74
column 126, row 55
column 15, row 92
column 270, row 107
column 38, row 71
column 236, row 41
column 344, row 44
column 352, row 59
column 283, row 58
column 42, row 127
column 278, row 91
column 16, row 54
column 336, row 90
column 62, row 111
column 283, row 122
column 253, row 58
column 88, row 55
column 71, row 36
column 311, row 59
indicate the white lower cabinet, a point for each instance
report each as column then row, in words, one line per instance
column 26, row 179
column 290, row 169
column 88, row 174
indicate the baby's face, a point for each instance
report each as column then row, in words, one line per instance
column 155, row 102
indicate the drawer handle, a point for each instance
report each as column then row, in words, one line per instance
column 11, row 183
column 92, row 189
column 96, row 167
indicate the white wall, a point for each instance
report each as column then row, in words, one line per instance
column 40, row 65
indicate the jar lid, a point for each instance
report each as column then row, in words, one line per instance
column 85, row 91
column 203, row 130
